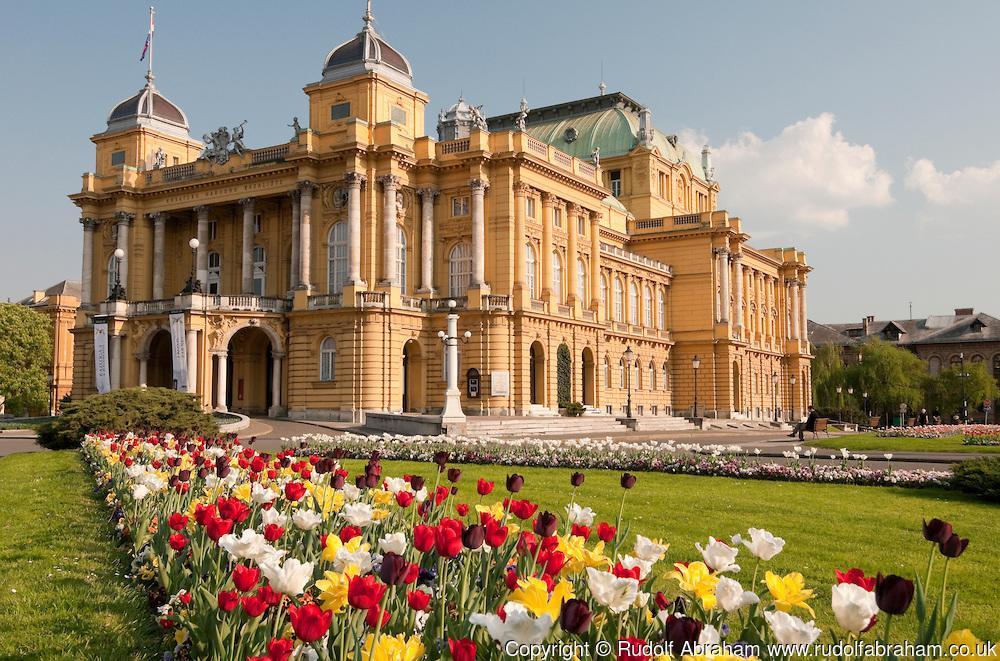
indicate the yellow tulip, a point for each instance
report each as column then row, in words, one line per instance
column 333, row 545
column 382, row 497
column 534, row 595
column 393, row 648
column 333, row 589
column 789, row 591
column 578, row 557
column 696, row 578
column 976, row 648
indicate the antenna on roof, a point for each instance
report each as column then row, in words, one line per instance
column 911, row 310
column 601, row 87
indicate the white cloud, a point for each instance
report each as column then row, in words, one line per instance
column 809, row 176
column 969, row 185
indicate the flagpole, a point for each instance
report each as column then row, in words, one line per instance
column 149, row 66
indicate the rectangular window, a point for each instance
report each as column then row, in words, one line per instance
column 177, row 160
column 397, row 115
column 557, row 217
column 258, row 223
column 615, row 177
column 460, row 205
column 530, row 206
column 117, row 158
column 581, row 226
column 340, row 111
column 213, row 229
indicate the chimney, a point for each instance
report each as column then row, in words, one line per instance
column 37, row 295
column 866, row 323
column 964, row 312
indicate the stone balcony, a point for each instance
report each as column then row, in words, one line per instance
column 208, row 302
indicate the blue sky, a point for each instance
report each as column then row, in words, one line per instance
column 862, row 132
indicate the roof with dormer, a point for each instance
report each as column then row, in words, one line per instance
column 936, row 329
column 367, row 51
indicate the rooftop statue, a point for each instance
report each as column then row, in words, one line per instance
column 221, row 144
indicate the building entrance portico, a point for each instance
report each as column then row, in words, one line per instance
column 159, row 368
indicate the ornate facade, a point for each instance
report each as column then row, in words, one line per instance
column 565, row 234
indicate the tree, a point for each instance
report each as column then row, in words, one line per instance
column 827, row 373
column 891, row 376
column 944, row 392
column 564, row 375
column 25, row 358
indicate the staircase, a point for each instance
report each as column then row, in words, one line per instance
column 543, row 426
column 542, row 411
column 729, row 423
column 663, row 423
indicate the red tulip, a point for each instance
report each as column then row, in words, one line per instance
column 310, row 622
column 228, row 600
column 580, row 531
column 372, row 618
column 273, row 532
column 216, row 528
column 483, row 487
column 418, row 599
column 423, row 538
column 523, row 509
column 496, row 534
column 412, row 573
column 245, row 578
column 177, row 521
column 253, row 606
column 363, row 592
column 462, row 509
column 510, row 579
column 177, row 541
column 347, row 533
column 185, row 597
column 270, row 596
column 279, row 649
column 857, row 577
column 462, row 650
column 404, row 498
column 606, row 532
column 622, row 572
column 447, row 542
column 233, row 509
column 294, row 491
column 202, row 513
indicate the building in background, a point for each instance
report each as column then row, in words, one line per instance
column 59, row 303
column 566, row 235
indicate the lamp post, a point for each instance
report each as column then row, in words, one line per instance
column 865, row 395
column 52, row 394
column 629, row 356
column 962, row 376
column 117, row 292
column 840, row 401
column 695, row 364
column 193, row 285
column 774, row 394
column 452, row 412
column 791, row 398
column 850, row 393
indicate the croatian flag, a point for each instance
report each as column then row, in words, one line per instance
column 149, row 36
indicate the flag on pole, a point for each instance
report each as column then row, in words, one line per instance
column 149, row 36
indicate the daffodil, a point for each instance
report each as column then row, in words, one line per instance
column 697, row 579
column 789, row 591
column 534, row 595
column 578, row 557
column 333, row 589
column 393, row 648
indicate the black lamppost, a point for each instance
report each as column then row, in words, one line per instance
column 193, row 285
column 629, row 357
column 867, row 412
column 962, row 376
column 850, row 395
column 52, row 395
column 840, row 401
column 791, row 398
column 774, row 394
column 695, row 364
column 117, row 292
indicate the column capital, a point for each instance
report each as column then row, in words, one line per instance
column 595, row 216
column 306, row 187
column 428, row 192
column 722, row 251
column 737, row 257
column 478, row 185
column 573, row 208
column 157, row 216
column 389, row 181
column 355, row 179
column 294, row 194
column 220, row 353
column 200, row 209
column 142, row 355
column 89, row 224
column 548, row 199
column 247, row 203
column 521, row 189
column 124, row 217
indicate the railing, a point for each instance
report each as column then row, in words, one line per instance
column 563, row 310
column 249, row 303
column 689, row 219
column 455, row 146
column 642, row 260
column 648, row 223
column 322, row 301
column 586, row 169
column 412, row 303
column 136, row 308
column 178, row 172
column 538, row 306
column 664, row 335
column 563, row 159
column 588, row 315
column 537, row 146
column 268, row 155
column 496, row 302
column 372, row 299
column 620, row 327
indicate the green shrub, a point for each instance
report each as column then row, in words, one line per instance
column 980, row 477
column 130, row 409
column 574, row 409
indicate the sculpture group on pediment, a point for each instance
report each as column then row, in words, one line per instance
column 223, row 143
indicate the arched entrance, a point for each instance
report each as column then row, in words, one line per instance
column 737, row 393
column 249, row 372
column 589, row 377
column 159, row 365
column 536, row 377
column 413, row 377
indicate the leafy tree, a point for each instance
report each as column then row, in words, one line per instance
column 891, row 376
column 944, row 392
column 564, row 373
column 25, row 358
column 827, row 373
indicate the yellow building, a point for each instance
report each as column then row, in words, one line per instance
column 59, row 303
column 565, row 234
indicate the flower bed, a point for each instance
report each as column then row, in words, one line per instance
column 267, row 558
column 685, row 458
column 936, row 431
column 986, row 435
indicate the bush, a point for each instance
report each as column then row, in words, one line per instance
column 130, row 409
column 574, row 409
column 980, row 477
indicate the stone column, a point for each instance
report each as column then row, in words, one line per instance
column 293, row 275
column 795, row 309
column 123, row 221
column 738, row 305
column 521, row 191
column 804, row 318
column 452, row 397
column 220, row 384
column 427, row 196
column 115, row 359
column 390, row 184
column 787, row 310
column 201, row 255
column 478, row 187
column 355, row 180
column 192, row 360
column 595, row 261
column 724, row 285
column 159, row 239
column 86, row 282
column 573, row 212
column 246, row 272
column 548, row 202
column 275, row 384
column 305, row 234
column 143, row 367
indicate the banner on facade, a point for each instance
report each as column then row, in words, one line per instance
column 500, row 383
column 178, row 349
column 102, row 374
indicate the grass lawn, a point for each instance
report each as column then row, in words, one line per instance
column 23, row 423
column 62, row 595
column 868, row 442
column 826, row 527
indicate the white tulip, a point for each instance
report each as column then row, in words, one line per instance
column 351, row 492
column 306, row 519
column 273, row 516
column 393, row 543
column 396, row 484
column 361, row 559
column 790, row 630
column 629, row 562
column 583, row 516
column 762, row 544
column 853, row 606
column 140, row 491
column 648, row 550
column 709, row 636
column 519, row 626
column 731, row 595
column 261, row 494
column 290, row 578
column 358, row 514
column 618, row 594
column 719, row 556
column 250, row 545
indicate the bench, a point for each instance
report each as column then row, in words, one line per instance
column 822, row 425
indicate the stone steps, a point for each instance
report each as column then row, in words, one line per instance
column 588, row 426
column 663, row 423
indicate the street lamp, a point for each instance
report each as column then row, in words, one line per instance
column 962, row 376
column 865, row 395
column 850, row 393
column 695, row 364
column 117, row 292
column 791, row 399
column 774, row 394
column 52, row 394
column 628, row 357
column 193, row 285
column 840, row 401
column 452, row 397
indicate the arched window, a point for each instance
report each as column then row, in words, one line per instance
column 111, row 273
column 259, row 270
column 607, row 372
column 955, row 361
column 581, row 281
column 336, row 258
column 529, row 269
column 633, row 304
column 459, row 269
column 664, row 379
column 328, row 360
column 401, row 258
column 557, row 291
column 604, row 297
column 651, row 378
column 647, row 307
column 996, row 367
column 621, row 374
column 619, row 301
column 661, row 310
column 636, row 376
column 934, row 365
column 214, row 284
